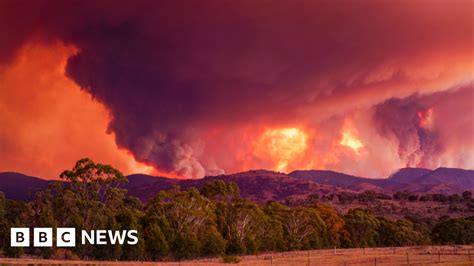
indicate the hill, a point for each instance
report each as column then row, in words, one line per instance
column 441, row 180
column 421, row 180
column 334, row 178
column 258, row 185
column 262, row 185
column 18, row 186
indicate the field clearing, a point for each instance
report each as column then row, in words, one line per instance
column 429, row 255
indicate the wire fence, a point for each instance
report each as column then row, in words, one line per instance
column 417, row 255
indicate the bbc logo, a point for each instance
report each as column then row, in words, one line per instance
column 42, row 237
column 66, row 237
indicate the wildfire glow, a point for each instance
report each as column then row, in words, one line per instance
column 349, row 137
column 283, row 146
column 425, row 118
column 50, row 122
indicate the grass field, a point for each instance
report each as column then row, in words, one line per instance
column 431, row 255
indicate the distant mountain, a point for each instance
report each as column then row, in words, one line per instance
column 258, row 185
column 146, row 186
column 407, row 175
column 333, row 178
column 262, row 185
column 18, row 186
column 441, row 180
column 138, row 180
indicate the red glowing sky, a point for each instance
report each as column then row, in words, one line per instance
column 312, row 85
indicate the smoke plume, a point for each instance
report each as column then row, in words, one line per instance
column 400, row 119
column 187, row 83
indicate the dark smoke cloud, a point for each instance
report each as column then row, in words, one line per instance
column 430, row 144
column 170, row 70
column 399, row 119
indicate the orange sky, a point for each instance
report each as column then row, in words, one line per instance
column 48, row 123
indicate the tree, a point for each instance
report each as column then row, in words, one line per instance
column 399, row 233
column 440, row 197
column 91, row 186
column 17, row 214
column 454, row 231
column 401, row 195
column 467, row 195
column 90, row 199
column 182, row 209
column 240, row 223
column 303, row 228
column 93, row 181
column 423, row 226
column 362, row 227
column 46, row 219
column 156, row 245
column 455, row 198
column 3, row 222
column 345, row 197
column 185, row 244
column 127, row 219
column 218, row 190
column 336, row 234
column 3, row 205
column 413, row 198
column 273, row 235
column 186, row 214
column 213, row 244
column 367, row 196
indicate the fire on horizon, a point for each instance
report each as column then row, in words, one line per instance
column 206, row 87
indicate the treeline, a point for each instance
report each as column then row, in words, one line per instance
column 372, row 196
column 211, row 222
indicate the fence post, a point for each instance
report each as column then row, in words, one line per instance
column 364, row 250
column 335, row 250
column 439, row 256
column 309, row 262
column 375, row 260
column 408, row 259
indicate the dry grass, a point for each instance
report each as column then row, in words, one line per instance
column 432, row 255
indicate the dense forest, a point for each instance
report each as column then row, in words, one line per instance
column 212, row 222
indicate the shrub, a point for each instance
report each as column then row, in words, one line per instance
column 230, row 259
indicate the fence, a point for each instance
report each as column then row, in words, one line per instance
column 417, row 255
column 464, row 255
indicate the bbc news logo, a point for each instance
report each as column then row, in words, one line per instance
column 66, row 237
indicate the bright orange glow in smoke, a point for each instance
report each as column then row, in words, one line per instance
column 425, row 118
column 282, row 146
column 349, row 137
